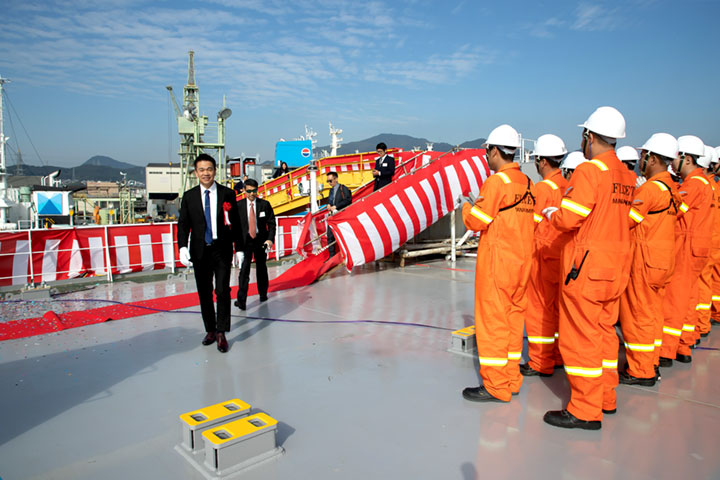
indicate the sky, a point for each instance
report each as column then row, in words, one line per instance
column 88, row 78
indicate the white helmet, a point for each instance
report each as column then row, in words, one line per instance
column 691, row 145
column 717, row 154
column 549, row 145
column 627, row 154
column 504, row 136
column 663, row 144
column 572, row 161
column 606, row 121
column 707, row 158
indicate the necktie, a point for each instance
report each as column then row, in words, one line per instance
column 252, row 226
column 208, row 219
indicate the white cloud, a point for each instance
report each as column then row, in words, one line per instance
column 594, row 17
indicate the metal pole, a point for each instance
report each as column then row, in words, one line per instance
column 3, row 178
column 172, row 245
column 107, row 255
column 32, row 270
column 452, row 237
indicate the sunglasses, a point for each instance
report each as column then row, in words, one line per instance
column 254, row 190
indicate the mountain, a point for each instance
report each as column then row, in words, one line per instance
column 97, row 168
column 399, row 141
column 103, row 161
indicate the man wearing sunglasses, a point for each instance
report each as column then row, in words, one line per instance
column 257, row 232
column 209, row 217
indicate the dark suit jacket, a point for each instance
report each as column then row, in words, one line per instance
column 386, row 169
column 343, row 197
column 265, row 220
column 191, row 223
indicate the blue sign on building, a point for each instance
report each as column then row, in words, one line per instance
column 295, row 153
column 50, row 203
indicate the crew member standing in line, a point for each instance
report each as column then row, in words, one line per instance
column 568, row 166
column 257, row 231
column 339, row 198
column 384, row 167
column 694, row 234
column 656, row 207
column 209, row 217
column 715, row 311
column 596, row 267
column 504, row 213
column 705, row 283
column 629, row 157
column 541, row 320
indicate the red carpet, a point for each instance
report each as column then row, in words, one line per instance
column 300, row 275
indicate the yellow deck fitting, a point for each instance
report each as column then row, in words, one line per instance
column 196, row 422
column 463, row 341
column 241, row 443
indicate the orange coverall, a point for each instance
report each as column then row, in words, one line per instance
column 653, row 216
column 595, row 271
column 501, row 275
column 541, row 319
column 693, row 236
column 715, row 255
column 705, row 283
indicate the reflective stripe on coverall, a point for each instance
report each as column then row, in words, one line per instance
column 652, row 218
column 595, row 269
column 693, row 239
column 705, row 283
column 541, row 320
column 501, row 276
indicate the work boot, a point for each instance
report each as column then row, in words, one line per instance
column 657, row 373
column 683, row 358
column 627, row 379
column 565, row 419
column 479, row 394
column 610, row 411
column 714, row 322
column 527, row 371
column 705, row 334
column 666, row 362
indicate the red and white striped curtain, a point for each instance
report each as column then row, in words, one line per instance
column 379, row 223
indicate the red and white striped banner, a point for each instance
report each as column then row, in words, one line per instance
column 378, row 224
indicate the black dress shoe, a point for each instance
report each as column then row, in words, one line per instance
column 241, row 306
column 527, row 371
column 627, row 379
column 479, row 394
column 222, row 344
column 657, row 374
column 714, row 322
column 209, row 338
column 665, row 362
column 565, row 419
column 683, row 358
column 610, row 412
column 263, row 298
column 705, row 334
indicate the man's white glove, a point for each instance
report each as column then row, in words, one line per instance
column 640, row 181
column 549, row 211
column 185, row 256
column 469, row 199
column 239, row 257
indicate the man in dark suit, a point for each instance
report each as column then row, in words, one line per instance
column 339, row 198
column 384, row 167
column 209, row 217
column 257, row 232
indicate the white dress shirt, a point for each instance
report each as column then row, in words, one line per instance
column 213, row 206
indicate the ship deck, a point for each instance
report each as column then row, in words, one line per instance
column 355, row 398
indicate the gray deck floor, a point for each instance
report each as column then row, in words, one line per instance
column 354, row 400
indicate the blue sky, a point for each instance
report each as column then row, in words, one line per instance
column 88, row 78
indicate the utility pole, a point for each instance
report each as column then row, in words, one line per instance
column 3, row 170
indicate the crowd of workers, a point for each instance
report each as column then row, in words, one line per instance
column 590, row 246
